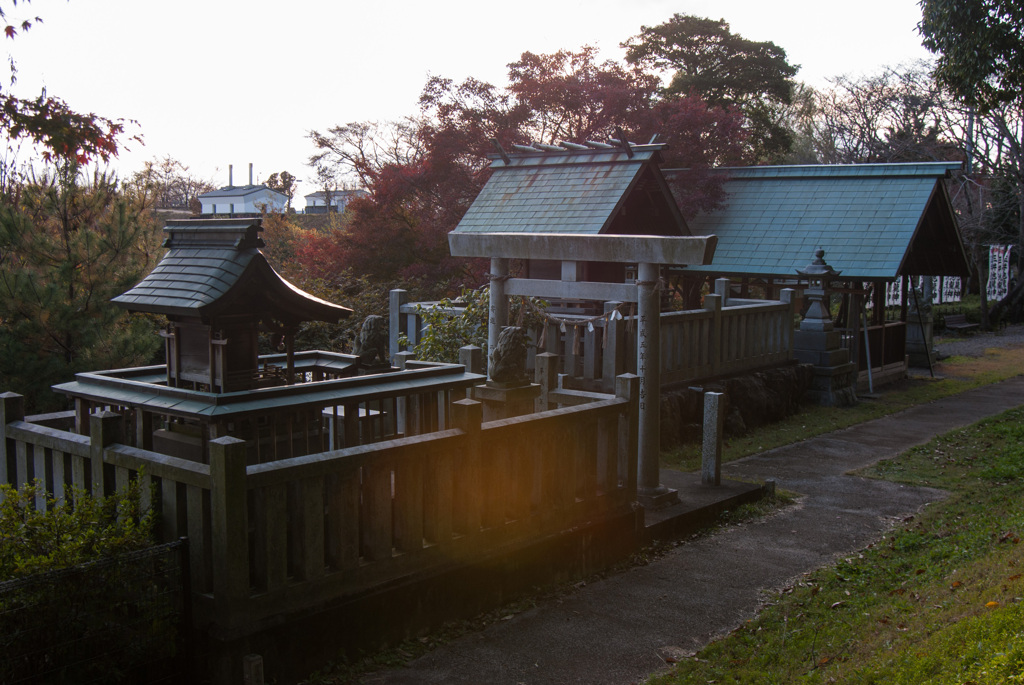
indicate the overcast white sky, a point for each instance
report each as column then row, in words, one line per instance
column 213, row 82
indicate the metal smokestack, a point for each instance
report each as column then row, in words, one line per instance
column 250, row 173
column 231, row 170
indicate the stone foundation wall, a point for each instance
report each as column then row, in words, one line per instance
column 751, row 400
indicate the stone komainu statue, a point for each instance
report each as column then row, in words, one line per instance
column 372, row 344
column 508, row 358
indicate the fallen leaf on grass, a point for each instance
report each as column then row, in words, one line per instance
column 837, row 605
column 992, row 605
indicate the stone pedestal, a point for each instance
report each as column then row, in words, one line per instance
column 920, row 344
column 835, row 376
column 504, row 402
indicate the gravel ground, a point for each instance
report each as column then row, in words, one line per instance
column 975, row 344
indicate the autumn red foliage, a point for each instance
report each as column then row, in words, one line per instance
column 424, row 178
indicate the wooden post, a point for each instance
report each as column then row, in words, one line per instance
column 711, row 457
column 497, row 312
column 788, row 295
column 143, row 429
column 722, row 290
column 12, row 408
column 229, row 525
column 105, row 429
column 713, row 303
column 396, row 299
column 467, row 416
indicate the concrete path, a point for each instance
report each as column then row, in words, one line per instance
column 618, row 630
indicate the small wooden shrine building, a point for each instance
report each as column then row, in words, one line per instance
column 219, row 295
column 595, row 224
column 219, row 292
column 875, row 223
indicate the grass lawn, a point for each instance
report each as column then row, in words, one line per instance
column 939, row 599
column 953, row 375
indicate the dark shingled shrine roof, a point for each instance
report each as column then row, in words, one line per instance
column 577, row 190
column 214, row 267
column 874, row 221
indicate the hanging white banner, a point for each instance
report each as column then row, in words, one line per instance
column 998, row 272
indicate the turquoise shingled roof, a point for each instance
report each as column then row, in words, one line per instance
column 868, row 218
column 578, row 191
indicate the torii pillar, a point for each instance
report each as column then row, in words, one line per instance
column 650, row 491
column 497, row 308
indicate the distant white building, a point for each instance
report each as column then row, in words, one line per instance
column 248, row 199
column 316, row 203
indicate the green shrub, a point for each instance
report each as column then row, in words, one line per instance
column 85, row 598
column 454, row 323
column 81, row 528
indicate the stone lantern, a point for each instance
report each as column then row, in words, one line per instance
column 817, row 273
column 817, row 343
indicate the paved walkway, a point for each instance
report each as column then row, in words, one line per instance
column 618, row 630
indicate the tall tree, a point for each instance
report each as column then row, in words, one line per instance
column 896, row 115
column 423, row 173
column 725, row 69
column 283, row 183
column 66, row 247
column 68, row 243
column 979, row 47
column 168, row 183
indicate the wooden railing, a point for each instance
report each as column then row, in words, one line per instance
column 723, row 341
column 728, row 336
column 267, row 539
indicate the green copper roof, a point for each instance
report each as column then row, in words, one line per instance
column 874, row 221
column 577, row 191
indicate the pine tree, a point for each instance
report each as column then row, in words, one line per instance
column 69, row 243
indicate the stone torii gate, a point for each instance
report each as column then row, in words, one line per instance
column 648, row 252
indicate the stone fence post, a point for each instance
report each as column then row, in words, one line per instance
column 627, row 387
column 711, row 454
column 396, row 298
column 614, row 356
column 545, row 374
column 472, row 357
